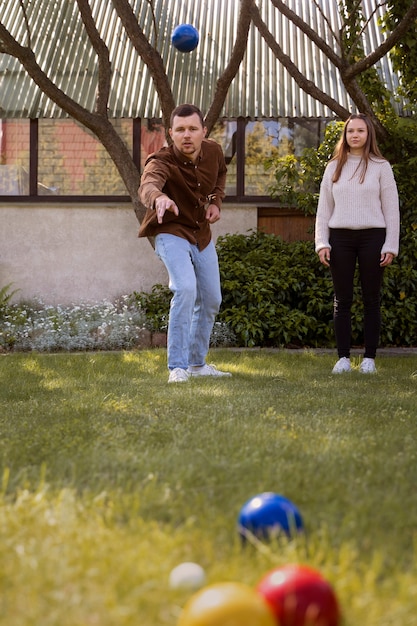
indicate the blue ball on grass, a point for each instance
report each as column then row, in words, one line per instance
column 267, row 515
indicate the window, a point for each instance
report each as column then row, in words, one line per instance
column 307, row 134
column 14, row 157
column 72, row 162
column 60, row 158
column 224, row 133
column 262, row 141
column 152, row 138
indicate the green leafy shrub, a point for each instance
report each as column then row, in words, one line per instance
column 400, row 280
column 155, row 306
column 274, row 293
column 5, row 296
column 278, row 294
column 297, row 179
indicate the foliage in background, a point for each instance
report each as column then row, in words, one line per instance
column 274, row 293
column 277, row 293
column 401, row 279
column 5, row 296
column 297, row 179
column 155, row 306
column 404, row 54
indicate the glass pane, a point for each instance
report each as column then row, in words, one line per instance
column 306, row 135
column 224, row 133
column 14, row 157
column 263, row 139
column 152, row 138
column 73, row 162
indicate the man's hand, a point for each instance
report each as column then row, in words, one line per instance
column 212, row 213
column 162, row 204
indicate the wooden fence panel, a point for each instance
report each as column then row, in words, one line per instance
column 289, row 224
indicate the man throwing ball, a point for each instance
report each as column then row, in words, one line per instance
column 182, row 188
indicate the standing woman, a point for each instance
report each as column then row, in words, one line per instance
column 357, row 221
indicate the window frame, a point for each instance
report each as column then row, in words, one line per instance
column 238, row 197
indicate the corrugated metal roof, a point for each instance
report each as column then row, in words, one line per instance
column 262, row 87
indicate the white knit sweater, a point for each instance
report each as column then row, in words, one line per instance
column 354, row 205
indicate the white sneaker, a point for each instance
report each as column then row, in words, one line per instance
column 178, row 375
column 206, row 370
column 343, row 365
column 368, row 366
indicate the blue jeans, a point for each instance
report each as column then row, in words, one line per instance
column 194, row 280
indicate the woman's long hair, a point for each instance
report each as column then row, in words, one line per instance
column 342, row 149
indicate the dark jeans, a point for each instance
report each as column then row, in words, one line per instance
column 348, row 247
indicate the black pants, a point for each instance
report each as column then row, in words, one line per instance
column 348, row 247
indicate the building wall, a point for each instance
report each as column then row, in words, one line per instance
column 72, row 253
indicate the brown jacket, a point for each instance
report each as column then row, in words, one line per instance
column 192, row 186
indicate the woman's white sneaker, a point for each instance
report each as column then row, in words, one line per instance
column 368, row 366
column 343, row 365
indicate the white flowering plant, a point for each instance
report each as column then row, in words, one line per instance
column 118, row 325
column 98, row 326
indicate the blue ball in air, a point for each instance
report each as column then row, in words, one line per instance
column 185, row 38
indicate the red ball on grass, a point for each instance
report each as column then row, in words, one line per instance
column 300, row 596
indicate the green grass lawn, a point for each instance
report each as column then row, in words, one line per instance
column 111, row 477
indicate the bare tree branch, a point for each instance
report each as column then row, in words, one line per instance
column 307, row 85
column 97, row 123
column 326, row 19
column 25, row 17
column 407, row 22
column 310, row 32
column 238, row 52
column 104, row 66
column 27, row 58
column 149, row 55
column 347, row 72
column 155, row 24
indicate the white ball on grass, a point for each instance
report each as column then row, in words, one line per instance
column 187, row 576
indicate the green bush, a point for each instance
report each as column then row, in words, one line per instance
column 297, row 179
column 5, row 296
column 278, row 294
column 274, row 293
column 155, row 306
